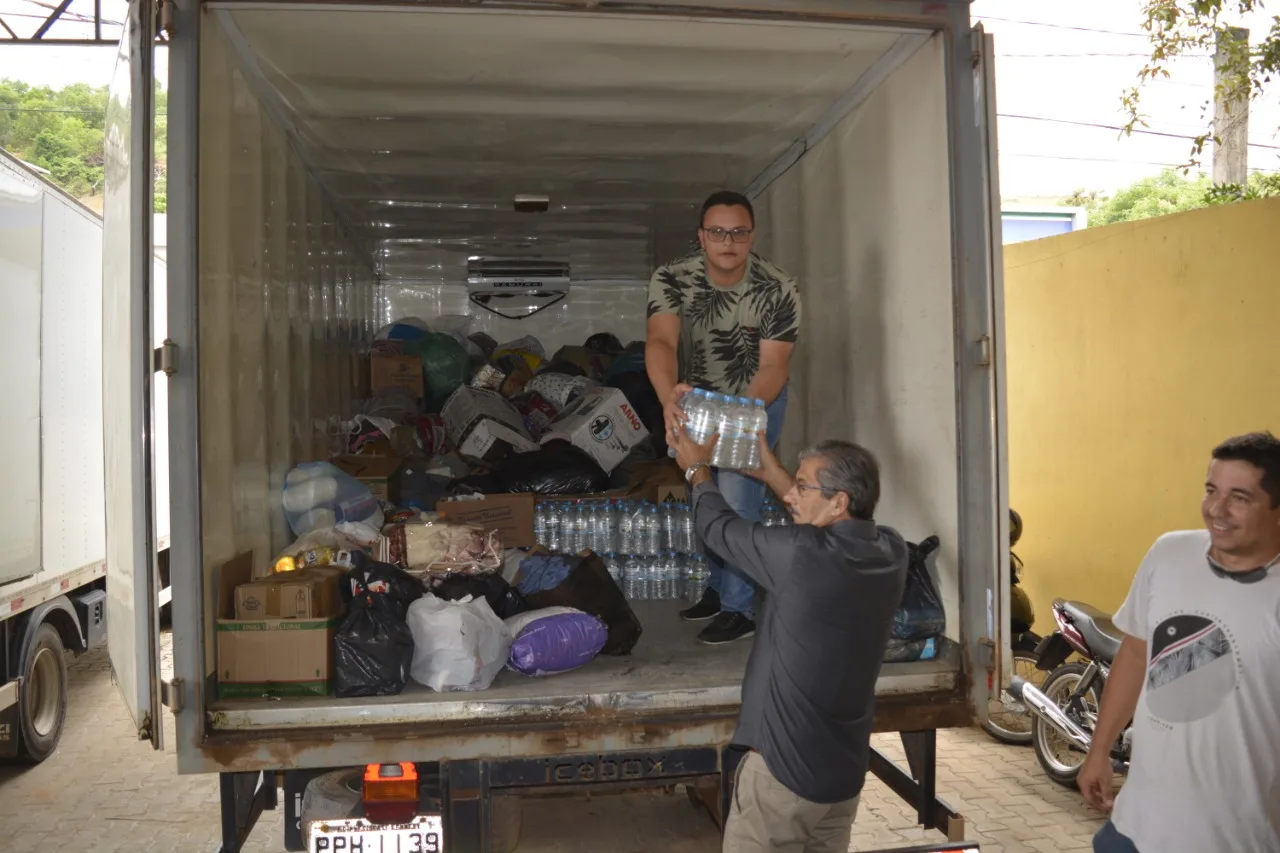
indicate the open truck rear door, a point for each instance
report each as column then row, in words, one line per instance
column 127, row 368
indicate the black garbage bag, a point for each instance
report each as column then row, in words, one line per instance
column 373, row 646
column 558, row 468
column 920, row 615
column 639, row 392
column 504, row 599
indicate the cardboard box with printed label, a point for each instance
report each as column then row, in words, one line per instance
column 484, row 426
column 374, row 471
column 602, row 423
column 510, row 515
column 396, row 371
column 271, row 657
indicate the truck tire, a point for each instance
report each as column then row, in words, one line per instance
column 42, row 711
column 337, row 794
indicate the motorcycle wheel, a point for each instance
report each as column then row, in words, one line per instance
column 1008, row 720
column 1060, row 759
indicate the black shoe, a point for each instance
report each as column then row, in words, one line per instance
column 707, row 607
column 726, row 628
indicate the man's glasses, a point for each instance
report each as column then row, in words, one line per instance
column 805, row 487
column 718, row 234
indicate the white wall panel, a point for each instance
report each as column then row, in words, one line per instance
column 71, row 388
column 863, row 220
column 285, row 302
column 20, row 226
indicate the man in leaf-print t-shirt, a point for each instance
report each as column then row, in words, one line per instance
column 724, row 319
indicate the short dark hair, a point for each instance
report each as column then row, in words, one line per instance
column 848, row 468
column 728, row 198
column 1262, row 451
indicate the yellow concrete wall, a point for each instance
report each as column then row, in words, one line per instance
column 1132, row 350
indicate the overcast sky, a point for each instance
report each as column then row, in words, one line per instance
column 1066, row 60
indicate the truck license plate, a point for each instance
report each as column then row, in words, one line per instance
column 423, row 834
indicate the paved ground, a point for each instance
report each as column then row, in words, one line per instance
column 103, row 791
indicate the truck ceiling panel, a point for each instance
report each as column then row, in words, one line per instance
column 457, row 106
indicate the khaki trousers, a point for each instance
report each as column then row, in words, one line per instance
column 766, row 817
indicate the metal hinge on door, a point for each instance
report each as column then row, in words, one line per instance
column 171, row 694
column 983, row 358
column 165, row 358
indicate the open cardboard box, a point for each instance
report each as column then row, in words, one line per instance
column 269, row 657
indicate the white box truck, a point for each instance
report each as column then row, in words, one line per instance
column 54, row 597
column 332, row 167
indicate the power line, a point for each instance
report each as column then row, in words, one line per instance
column 1062, row 26
column 1115, row 160
column 1118, row 128
column 1077, row 55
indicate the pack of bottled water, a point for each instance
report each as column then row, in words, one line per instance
column 651, row 551
column 740, row 421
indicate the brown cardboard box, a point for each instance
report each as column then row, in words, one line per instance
column 396, row 371
column 269, row 657
column 311, row 593
column 510, row 515
column 259, row 599
column 373, row 471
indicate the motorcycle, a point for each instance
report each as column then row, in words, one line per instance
column 1065, row 708
column 1008, row 720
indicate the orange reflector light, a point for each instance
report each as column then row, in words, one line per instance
column 391, row 783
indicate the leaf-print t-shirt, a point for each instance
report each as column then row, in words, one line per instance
column 721, row 327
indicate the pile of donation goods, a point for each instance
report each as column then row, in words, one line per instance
column 491, row 507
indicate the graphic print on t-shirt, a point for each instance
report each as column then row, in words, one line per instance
column 1192, row 668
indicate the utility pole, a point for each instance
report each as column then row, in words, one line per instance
column 1230, row 115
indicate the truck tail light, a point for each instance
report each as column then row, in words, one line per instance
column 390, row 792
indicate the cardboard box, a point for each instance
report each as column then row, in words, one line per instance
column 510, row 515
column 602, row 423
column 259, row 599
column 484, row 426
column 396, row 371
column 269, row 657
column 374, row 471
column 311, row 593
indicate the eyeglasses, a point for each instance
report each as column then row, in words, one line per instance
column 805, row 487
column 718, row 234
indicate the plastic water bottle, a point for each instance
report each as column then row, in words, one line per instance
column 540, row 524
column 652, row 532
column 702, row 416
column 727, row 417
column 697, row 578
column 633, row 578
column 626, row 525
column 757, row 426
column 666, row 514
column 674, row 570
column 687, row 534
column 615, row 567
column 690, row 404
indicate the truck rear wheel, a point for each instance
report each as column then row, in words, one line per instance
column 43, row 706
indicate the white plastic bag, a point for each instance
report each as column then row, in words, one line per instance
column 457, row 645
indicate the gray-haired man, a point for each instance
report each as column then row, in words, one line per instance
column 833, row 582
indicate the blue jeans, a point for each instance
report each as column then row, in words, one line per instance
column 1109, row 840
column 745, row 496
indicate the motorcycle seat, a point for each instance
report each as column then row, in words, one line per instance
column 1101, row 634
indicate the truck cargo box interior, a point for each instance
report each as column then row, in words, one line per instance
column 351, row 161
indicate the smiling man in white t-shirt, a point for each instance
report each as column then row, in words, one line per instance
column 1199, row 675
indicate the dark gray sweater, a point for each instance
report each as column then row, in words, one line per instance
column 809, row 693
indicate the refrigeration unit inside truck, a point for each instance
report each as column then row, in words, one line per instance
column 332, row 168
